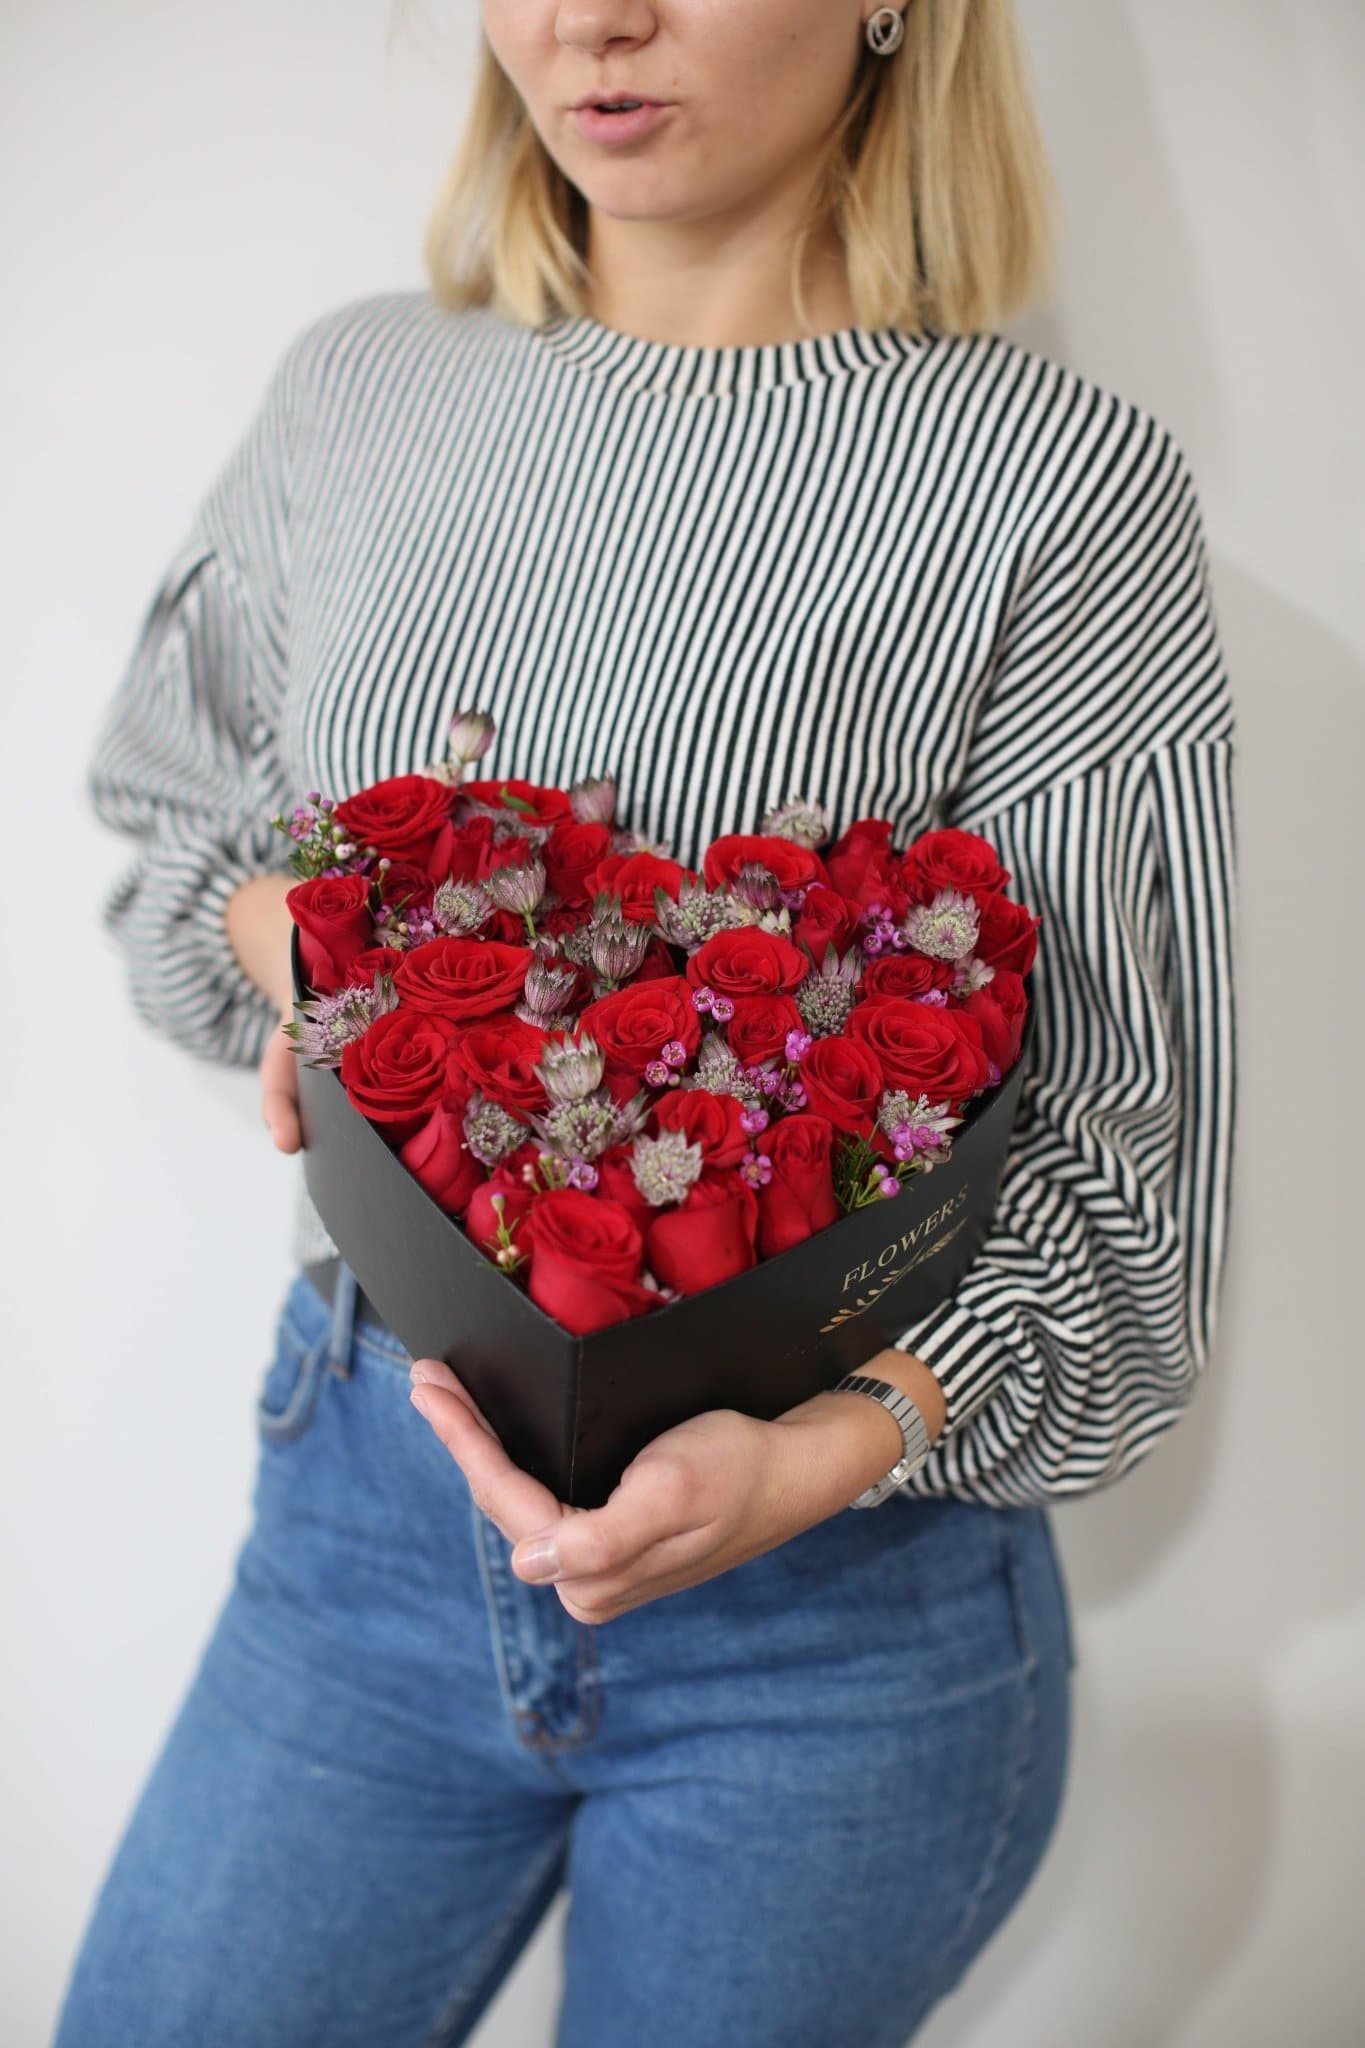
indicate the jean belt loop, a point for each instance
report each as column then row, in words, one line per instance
column 343, row 1321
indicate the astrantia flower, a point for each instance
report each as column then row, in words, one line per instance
column 547, row 992
column 587, row 1129
column 828, row 993
column 468, row 738
column 718, row 1070
column 593, row 801
column 574, row 944
column 461, row 908
column 799, row 819
column 571, row 1069
column 757, row 886
column 946, row 928
column 666, row 1167
column 490, row 1131
column 518, row 888
column 697, row 916
column 640, row 842
column 616, row 945
column 917, row 1128
column 324, row 1024
column 471, row 735
column 971, row 974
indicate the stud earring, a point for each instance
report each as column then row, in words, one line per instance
column 885, row 31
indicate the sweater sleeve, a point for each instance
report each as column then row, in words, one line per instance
column 1101, row 766
column 186, row 764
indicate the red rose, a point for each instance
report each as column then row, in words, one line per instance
column 862, row 866
column 468, row 847
column 481, row 1218
column 498, row 1055
column 657, row 965
column 633, row 1024
column 561, row 918
column 462, row 978
column 758, row 1030
column 436, row 1155
column 925, row 1048
column 826, row 919
column 571, row 853
column 634, row 877
column 843, row 1082
column 707, row 1238
column 1009, row 934
column 402, row 881
column 364, row 970
column 950, row 859
column 516, row 851
column 748, row 961
column 711, row 1121
column 533, row 803
column 793, row 866
column 406, row 817
column 471, row 852
column 397, row 1071
column 332, row 913
column 586, row 1256
column 799, row 1199
column 905, row 974
column 1001, row 1009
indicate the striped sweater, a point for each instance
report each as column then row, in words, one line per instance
column 939, row 579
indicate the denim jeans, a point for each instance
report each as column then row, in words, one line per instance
column 790, row 1804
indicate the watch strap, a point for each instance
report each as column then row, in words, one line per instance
column 914, row 1435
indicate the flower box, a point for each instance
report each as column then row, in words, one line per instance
column 574, row 1410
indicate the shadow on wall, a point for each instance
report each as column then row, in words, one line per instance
column 1173, row 1820
column 1242, row 1524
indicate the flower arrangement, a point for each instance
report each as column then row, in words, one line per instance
column 626, row 1080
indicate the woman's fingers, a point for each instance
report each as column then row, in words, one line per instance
column 433, row 1372
column 280, row 1091
column 512, row 1499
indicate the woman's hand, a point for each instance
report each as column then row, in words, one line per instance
column 259, row 924
column 712, row 1493
column 279, row 1076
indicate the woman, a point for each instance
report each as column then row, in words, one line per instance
column 703, row 464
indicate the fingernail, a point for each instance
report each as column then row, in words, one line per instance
column 420, row 1402
column 538, row 1560
column 432, row 1370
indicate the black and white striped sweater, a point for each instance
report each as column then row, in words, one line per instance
column 939, row 579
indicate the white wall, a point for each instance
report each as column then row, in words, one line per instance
column 183, row 187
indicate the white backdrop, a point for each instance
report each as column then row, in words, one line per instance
column 184, row 187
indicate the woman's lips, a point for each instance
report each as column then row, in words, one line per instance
column 598, row 126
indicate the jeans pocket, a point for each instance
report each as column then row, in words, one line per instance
column 287, row 1401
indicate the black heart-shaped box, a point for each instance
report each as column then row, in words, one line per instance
column 574, row 1411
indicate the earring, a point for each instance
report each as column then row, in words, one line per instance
column 885, row 31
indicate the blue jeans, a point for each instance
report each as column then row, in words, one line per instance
column 790, row 1804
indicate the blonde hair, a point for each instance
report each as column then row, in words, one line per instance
column 934, row 176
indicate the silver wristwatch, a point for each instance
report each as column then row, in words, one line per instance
column 914, row 1436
